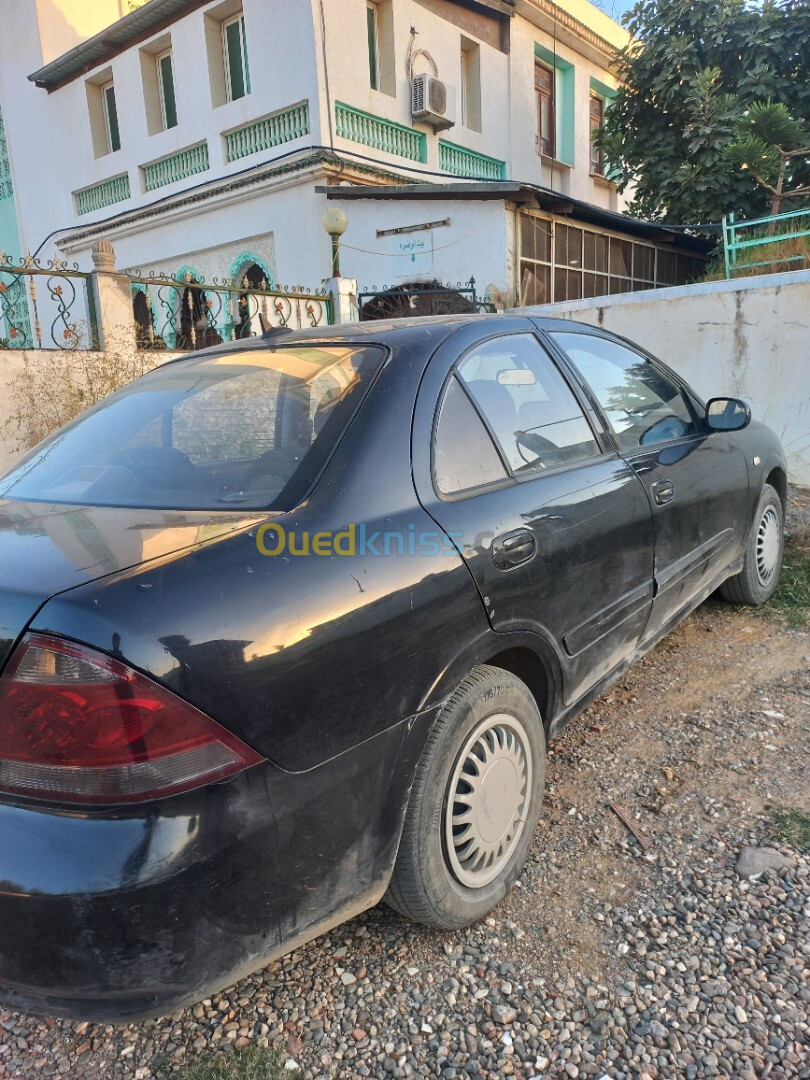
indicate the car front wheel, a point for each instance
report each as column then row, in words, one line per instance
column 474, row 804
column 764, row 548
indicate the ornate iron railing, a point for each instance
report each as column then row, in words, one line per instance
column 60, row 315
column 185, row 313
column 460, row 161
column 179, row 166
column 97, row 196
column 422, row 298
column 375, row 131
column 281, row 127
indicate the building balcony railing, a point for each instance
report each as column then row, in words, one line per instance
column 381, row 134
column 280, row 127
column 460, row 161
column 97, row 196
column 176, row 167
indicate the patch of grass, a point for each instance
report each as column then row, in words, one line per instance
column 793, row 827
column 792, row 596
column 249, row 1063
column 791, row 253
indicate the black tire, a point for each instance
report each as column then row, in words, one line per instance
column 756, row 582
column 425, row 887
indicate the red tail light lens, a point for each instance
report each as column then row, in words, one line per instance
column 78, row 726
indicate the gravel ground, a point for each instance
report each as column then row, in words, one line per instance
column 646, row 953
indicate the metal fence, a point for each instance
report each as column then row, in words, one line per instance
column 46, row 306
column 184, row 313
column 740, row 237
column 422, row 298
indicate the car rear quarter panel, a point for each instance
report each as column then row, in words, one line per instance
column 303, row 657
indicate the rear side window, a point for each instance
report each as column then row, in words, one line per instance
column 644, row 407
column 532, row 411
column 250, row 428
column 464, row 456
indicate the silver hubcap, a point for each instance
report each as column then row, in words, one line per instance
column 488, row 800
column 768, row 546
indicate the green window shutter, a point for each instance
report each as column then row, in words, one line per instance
column 566, row 115
column 608, row 94
column 245, row 55
column 169, row 101
column 565, row 103
column 236, row 73
column 371, row 19
column 112, row 119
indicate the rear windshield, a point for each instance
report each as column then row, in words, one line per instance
column 249, row 429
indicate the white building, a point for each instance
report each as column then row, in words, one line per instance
column 208, row 137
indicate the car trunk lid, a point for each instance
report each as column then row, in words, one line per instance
column 47, row 549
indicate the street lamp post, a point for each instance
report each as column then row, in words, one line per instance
column 335, row 223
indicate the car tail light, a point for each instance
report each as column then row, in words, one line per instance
column 78, row 726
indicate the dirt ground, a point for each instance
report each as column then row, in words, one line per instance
column 707, row 734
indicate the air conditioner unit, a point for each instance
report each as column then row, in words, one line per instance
column 433, row 102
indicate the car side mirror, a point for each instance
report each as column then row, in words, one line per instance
column 727, row 414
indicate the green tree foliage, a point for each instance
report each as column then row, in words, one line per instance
column 773, row 147
column 692, row 72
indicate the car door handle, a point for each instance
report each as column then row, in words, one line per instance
column 513, row 549
column 663, row 491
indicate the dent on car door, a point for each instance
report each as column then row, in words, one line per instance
column 556, row 531
column 697, row 484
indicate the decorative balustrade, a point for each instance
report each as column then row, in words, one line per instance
column 460, row 161
column 381, row 134
column 179, row 166
column 281, row 127
column 97, row 196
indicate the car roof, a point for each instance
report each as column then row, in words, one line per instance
column 383, row 331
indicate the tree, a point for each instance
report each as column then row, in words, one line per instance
column 773, row 146
column 691, row 73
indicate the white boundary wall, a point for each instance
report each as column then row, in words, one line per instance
column 749, row 338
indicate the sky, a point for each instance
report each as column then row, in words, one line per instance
column 614, row 8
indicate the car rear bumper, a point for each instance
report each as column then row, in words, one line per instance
column 150, row 996
column 130, row 915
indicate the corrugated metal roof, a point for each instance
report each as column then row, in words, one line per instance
column 140, row 24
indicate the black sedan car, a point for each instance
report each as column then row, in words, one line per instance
column 285, row 627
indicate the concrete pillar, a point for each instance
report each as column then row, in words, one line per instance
column 344, row 299
column 113, row 295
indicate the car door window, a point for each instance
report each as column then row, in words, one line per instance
column 464, row 455
column 530, row 408
column 644, row 407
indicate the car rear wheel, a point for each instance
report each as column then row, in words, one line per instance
column 764, row 548
column 475, row 802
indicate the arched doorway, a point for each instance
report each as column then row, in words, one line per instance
column 144, row 323
column 253, row 279
column 195, row 324
column 193, row 317
column 252, row 275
